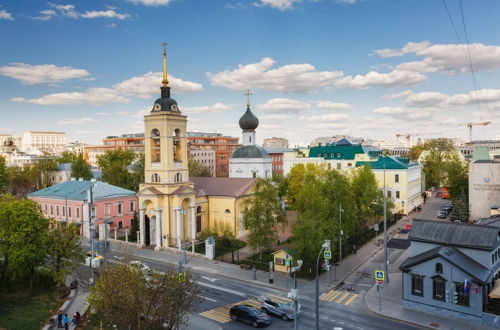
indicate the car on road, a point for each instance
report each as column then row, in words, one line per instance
column 441, row 214
column 248, row 314
column 141, row 266
column 283, row 310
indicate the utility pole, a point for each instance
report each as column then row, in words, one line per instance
column 295, row 293
column 340, row 232
column 90, row 199
column 385, row 223
column 324, row 246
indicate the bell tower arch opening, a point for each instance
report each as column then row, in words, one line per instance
column 155, row 137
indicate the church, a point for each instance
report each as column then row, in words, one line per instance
column 173, row 207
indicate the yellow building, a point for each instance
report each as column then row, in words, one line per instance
column 174, row 208
column 283, row 260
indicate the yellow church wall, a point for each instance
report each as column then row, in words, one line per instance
column 218, row 216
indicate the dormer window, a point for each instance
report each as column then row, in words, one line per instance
column 174, row 107
column 157, row 107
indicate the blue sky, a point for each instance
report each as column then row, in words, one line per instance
column 371, row 68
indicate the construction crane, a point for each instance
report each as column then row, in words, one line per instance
column 407, row 137
column 469, row 125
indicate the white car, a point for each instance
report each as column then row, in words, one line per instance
column 142, row 266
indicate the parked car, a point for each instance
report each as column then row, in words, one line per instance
column 250, row 315
column 283, row 310
column 441, row 214
column 141, row 266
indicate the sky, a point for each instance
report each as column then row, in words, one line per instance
column 366, row 68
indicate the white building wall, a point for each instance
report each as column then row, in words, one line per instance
column 250, row 168
column 205, row 157
column 484, row 188
column 289, row 162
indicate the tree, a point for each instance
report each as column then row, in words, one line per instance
column 114, row 166
column 4, row 174
column 80, row 168
column 126, row 297
column 22, row 180
column 365, row 190
column 44, row 167
column 297, row 177
column 415, row 152
column 23, row 238
column 138, row 172
column 460, row 209
column 457, row 177
column 197, row 169
column 66, row 157
column 438, row 152
column 134, row 227
column 262, row 213
column 64, row 250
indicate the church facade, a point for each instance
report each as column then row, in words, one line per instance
column 174, row 208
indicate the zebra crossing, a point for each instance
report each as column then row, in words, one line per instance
column 221, row 314
column 339, row 297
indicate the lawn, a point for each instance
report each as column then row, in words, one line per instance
column 23, row 309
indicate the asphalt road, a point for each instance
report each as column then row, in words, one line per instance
column 218, row 293
column 433, row 206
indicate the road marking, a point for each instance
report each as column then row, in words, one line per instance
column 215, row 317
column 348, row 302
column 207, row 298
column 342, row 299
column 334, row 296
column 358, row 284
column 280, row 299
column 221, row 314
column 327, row 295
column 222, row 289
column 211, row 279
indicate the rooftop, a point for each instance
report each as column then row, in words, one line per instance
column 475, row 236
column 219, row 186
column 389, row 163
column 343, row 149
column 77, row 191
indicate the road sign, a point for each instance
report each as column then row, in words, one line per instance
column 182, row 277
column 327, row 254
column 379, row 275
column 380, row 281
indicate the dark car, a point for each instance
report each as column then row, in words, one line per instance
column 250, row 315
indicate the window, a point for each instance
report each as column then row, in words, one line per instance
column 339, row 166
column 396, row 178
column 461, row 294
column 338, row 154
column 78, row 212
column 120, row 208
column 155, row 178
column 57, row 210
column 131, row 206
column 52, row 209
column 120, row 224
column 439, row 268
column 319, row 154
column 417, row 285
column 389, row 194
column 45, row 208
column 397, row 193
column 107, row 209
column 178, row 177
column 349, row 164
column 69, row 211
column 155, row 145
column 438, row 288
column 63, row 211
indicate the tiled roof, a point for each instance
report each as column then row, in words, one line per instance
column 454, row 234
column 453, row 256
column 77, row 191
column 210, row 186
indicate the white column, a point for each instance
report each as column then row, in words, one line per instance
column 158, row 229
column 192, row 219
column 116, row 237
column 142, row 238
column 178, row 227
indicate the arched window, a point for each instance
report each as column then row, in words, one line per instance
column 178, row 177
column 439, row 268
column 155, row 178
column 177, row 145
column 227, row 211
column 199, row 209
column 155, row 145
column 250, row 139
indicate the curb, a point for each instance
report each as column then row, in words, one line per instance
column 392, row 317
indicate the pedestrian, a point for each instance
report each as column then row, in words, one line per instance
column 59, row 320
column 65, row 322
column 73, row 320
column 78, row 317
column 354, row 248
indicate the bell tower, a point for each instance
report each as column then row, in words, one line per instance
column 165, row 136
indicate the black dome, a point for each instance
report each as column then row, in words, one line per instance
column 250, row 152
column 248, row 122
column 165, row 104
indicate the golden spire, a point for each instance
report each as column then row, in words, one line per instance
column 164, row 82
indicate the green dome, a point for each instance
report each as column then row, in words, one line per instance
column 248, row 122
column 250, row 152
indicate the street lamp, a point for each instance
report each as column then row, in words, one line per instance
column 385, row 225
column 295, row 293
column 324, row 246
column 340, row 232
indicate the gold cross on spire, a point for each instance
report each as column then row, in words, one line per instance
column 248, row 94
column 165, row 79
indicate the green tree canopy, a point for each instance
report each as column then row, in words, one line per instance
column 437, row 153
column 197, row 169
column 297, row 177
column 22, row 180
column 80, row 168
column 262, row 213
column 138, row 171
column 114, row 166
column 4, row 174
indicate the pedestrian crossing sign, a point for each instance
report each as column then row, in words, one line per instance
column 182, row 277
column 379, row 275
column 327, row 254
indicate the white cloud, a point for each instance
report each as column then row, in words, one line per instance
column 151, row 2
column 89, row 132
column 329, row 105
column 77, row 121
column 287, row 78
column 325, row 126
column 446, row 58
column 217, row 107
column 347, row 2
column 332, row 117
column 104, row 13
column 45, row 15
column 143, row 86
column 278, row 4
column 403, row 113
column 397, row 95
column 373, row 78
column 65, row 10
column 4, row 14
column 38, row 74
column 440, row 100
column 274, row 117
column 283, row 105
column 269, row 127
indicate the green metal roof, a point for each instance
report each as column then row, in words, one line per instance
column 77, row 191
column 343, row 150
column 250, row 152
column 389, row 163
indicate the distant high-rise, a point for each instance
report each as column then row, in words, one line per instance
column 275, row 142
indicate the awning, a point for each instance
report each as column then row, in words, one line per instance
column 495, row 293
